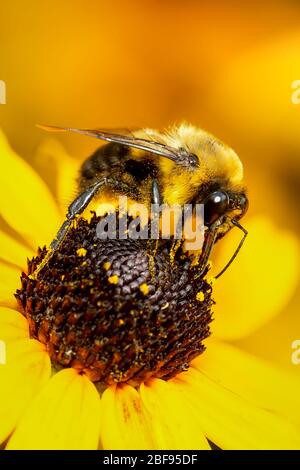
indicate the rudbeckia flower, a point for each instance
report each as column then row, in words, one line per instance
column 226, row 396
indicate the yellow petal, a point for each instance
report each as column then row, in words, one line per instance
column 258, row 285
column 173, row 421
column 13, row 325
column 232, row 422
column 261, row 382
column 124, row 424
column 13, row 251
column 273, row 341
column 53, row 153
column 26, row 371
column 9, row 282
column 65, row 415
column 26, row 203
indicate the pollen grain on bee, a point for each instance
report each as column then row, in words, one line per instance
column 160, row 221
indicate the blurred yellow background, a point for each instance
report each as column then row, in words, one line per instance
column 225, row 66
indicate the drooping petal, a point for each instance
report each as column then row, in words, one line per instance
column 173, row 421
column 26, row 203
column 65, row 415
column 13, row 325
column 124, row 424
column 9, row 282
column 259, row 283
column 53, row 153
column 13, row 251
column 232, row 422
column 26, row 370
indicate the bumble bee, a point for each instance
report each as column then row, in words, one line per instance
column 181, row 165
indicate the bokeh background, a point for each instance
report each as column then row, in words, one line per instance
column 225, row 66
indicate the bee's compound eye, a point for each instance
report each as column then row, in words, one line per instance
column 215, row 205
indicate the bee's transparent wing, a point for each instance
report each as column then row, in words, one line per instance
column 126, row 137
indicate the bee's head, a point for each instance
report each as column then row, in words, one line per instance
column 218, row 181
column 223, row 208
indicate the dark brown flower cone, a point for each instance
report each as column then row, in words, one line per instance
column 119, row 310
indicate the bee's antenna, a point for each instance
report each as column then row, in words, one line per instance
column 234, row 222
